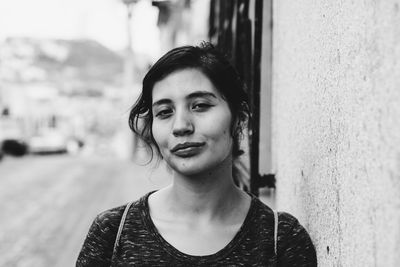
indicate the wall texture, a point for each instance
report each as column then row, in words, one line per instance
column 336, row 126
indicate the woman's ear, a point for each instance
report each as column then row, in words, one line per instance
column 235, row 128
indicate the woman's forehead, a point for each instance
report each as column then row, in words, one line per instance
column 182, row 83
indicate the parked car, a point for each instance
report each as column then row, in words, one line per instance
column 14, row 147
column 49, row 141
column 53, row 141
column 12, row 138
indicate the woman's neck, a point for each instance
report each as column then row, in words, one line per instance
column 205, row 195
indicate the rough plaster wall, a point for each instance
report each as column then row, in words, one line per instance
column 336, row 126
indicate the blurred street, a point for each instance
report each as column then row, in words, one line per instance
column 47, row 203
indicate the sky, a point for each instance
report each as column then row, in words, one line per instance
column 101, row 20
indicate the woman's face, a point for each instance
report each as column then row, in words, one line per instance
column 191, row 122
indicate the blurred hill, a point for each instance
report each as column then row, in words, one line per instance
column 72, row 66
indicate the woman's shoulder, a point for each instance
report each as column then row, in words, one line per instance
column 288, row 225
column 295, row 246
column 98, row 245
column 111, row 218
column 105, row 225
column 111, row 214
column 107, row 222
column 284, row 218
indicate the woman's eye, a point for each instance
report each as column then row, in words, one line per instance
column 163, row 113
column 201, row 106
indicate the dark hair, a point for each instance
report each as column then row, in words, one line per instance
column 211, row 63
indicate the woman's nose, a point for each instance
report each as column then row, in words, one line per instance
column 182, row 124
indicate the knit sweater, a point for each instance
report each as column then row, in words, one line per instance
column 141, row 244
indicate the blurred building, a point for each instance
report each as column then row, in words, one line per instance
column 182, row 22
column 58, row 88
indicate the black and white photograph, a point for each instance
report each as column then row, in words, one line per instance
column 199, row 133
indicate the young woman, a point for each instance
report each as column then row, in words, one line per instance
column 192, row 111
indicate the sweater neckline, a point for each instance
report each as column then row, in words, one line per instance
column 170, row 249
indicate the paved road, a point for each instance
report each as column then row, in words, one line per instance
column 47, row 203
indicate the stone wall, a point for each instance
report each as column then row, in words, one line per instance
column 336, row 126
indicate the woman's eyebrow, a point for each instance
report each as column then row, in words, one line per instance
column 161, row 101
column 201, row 94
column 189, row 96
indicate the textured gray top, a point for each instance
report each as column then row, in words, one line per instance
column 141, row 245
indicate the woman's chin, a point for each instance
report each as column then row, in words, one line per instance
column 193, row 169
column 189, row 171
column 198, row 165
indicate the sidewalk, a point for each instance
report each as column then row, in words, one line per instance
column 49, row 202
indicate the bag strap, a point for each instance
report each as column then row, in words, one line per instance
column 121, row 226
column 276, row 220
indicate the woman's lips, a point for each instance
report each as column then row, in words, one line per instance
column 187, row 150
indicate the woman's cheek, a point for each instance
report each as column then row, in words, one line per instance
column 159, row 136
column 221, row 135
column 222, row 126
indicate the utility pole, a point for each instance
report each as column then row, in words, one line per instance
column 129, row 65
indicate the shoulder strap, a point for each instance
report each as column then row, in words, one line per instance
column 121, row 226
column 276, row 220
